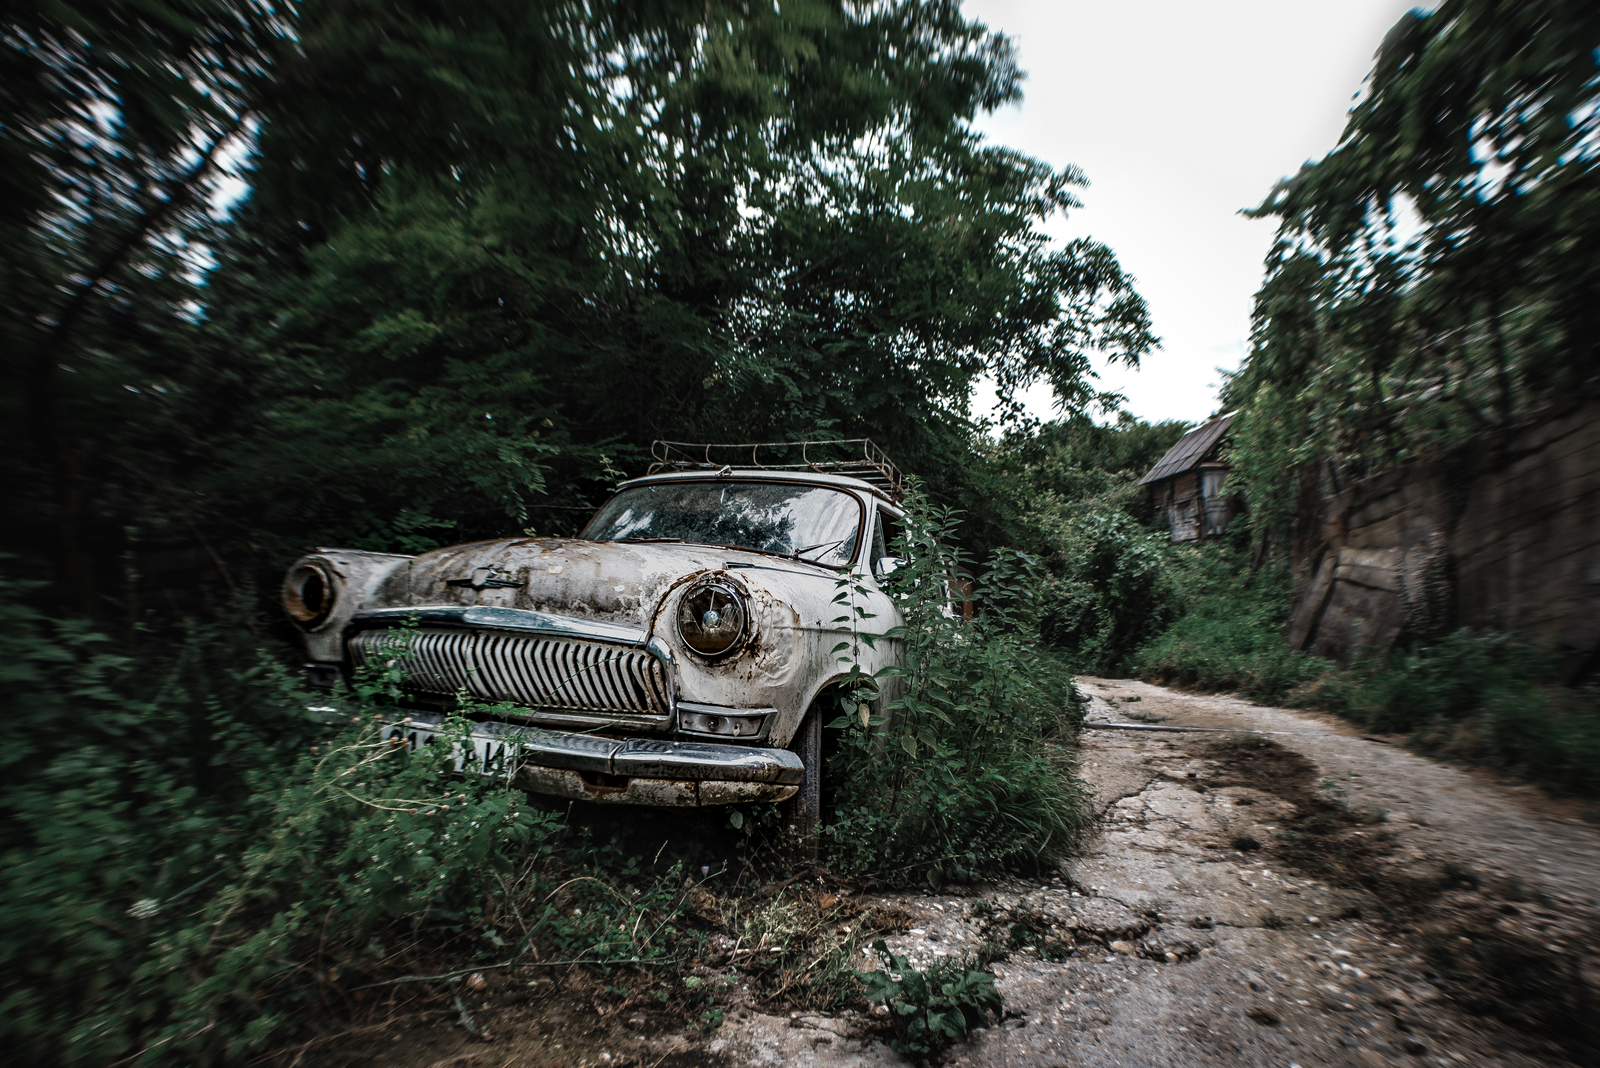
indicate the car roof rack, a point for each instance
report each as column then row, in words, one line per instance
column 854, row 457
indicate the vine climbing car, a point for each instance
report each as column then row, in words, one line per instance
column 683, row 650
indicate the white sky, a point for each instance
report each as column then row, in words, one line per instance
column 1180, row 114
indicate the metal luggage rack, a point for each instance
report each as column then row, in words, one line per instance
column 855, row 457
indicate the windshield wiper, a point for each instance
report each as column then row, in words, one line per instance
column 797, row 554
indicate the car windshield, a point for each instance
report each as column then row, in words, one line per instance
column 811, row 522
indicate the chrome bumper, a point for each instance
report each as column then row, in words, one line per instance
column 647, row 771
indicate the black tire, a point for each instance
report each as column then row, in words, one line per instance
column 805, row 808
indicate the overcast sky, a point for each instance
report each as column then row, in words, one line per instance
column 1181, row 113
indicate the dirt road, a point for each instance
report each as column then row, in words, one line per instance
column 1415, row 914
column 1305, row 898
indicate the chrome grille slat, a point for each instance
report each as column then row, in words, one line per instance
column 492, row 666
column 546, row 674
column 585, row 662
column 559, row 667
column 597, row 665
column 589, row 665
column 443, row 664
column 434, row 665
column 507, row 678
column 655, row 686
column 617, row 679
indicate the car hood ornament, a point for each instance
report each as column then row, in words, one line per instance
column 483, row 578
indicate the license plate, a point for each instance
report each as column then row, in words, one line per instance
column 491, row 749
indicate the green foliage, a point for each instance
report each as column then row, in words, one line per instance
column 930, row 1010
column 1484, row 698
column 1481, row 698
column 485, row 253
column 1115, row 589
column 1020, row 488
column 191, row 860
column 1075, row 459
column 1433, row 276
column 963, row 767
column 114, row 123
column 1068, row 492
column 1230, row 635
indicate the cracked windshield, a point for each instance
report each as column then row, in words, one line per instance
column 815, row 524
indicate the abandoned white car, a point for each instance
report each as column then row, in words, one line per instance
column 679, row 651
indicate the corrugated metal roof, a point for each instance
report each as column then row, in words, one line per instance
column 1190, row 450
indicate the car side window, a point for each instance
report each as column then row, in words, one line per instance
column 884, row 533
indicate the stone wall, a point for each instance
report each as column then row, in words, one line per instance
column 1502, row 535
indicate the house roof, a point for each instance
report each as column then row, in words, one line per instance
column 1190, row 451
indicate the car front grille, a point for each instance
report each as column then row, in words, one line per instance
column 557, row 679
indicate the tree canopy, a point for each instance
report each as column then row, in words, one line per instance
column 1434, row 275
column 480, row 254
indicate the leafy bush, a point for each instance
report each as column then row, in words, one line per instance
column 1451, row 679
column 1115, row 589
column 930, row 1010
column 1230, row 636
column 1482, row 698
column 191, row 858
column 965, row 767
column 149, row 914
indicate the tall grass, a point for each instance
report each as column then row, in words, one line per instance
column 189, row 850
column 969, row 768
column 1230, row 635
column 1481, row 698
column 198, row 859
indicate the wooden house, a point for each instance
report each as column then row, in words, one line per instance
column 1186, row 493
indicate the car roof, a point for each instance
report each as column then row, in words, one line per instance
column 758, row 474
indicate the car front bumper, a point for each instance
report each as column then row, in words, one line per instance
column 636, row 771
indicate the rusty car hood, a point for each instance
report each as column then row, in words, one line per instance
column 617, row 582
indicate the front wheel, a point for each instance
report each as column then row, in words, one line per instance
column 805, row 808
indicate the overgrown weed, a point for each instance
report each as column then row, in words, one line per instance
column 933, row 1009
column 802, row 950
column 964, row 765
column 1229, row 636
column 195, row 869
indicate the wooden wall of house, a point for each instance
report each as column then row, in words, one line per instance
column 1170, row 496
column 1502, row 535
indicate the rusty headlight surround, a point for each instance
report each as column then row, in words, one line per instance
column 713, row 617
column 309, row 593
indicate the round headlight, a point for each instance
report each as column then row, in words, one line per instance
column 308, row 594
column 711, row 617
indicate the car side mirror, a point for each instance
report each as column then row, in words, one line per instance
column 886, row 565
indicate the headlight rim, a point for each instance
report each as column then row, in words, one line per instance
column 294, row 584
column 739, row 596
